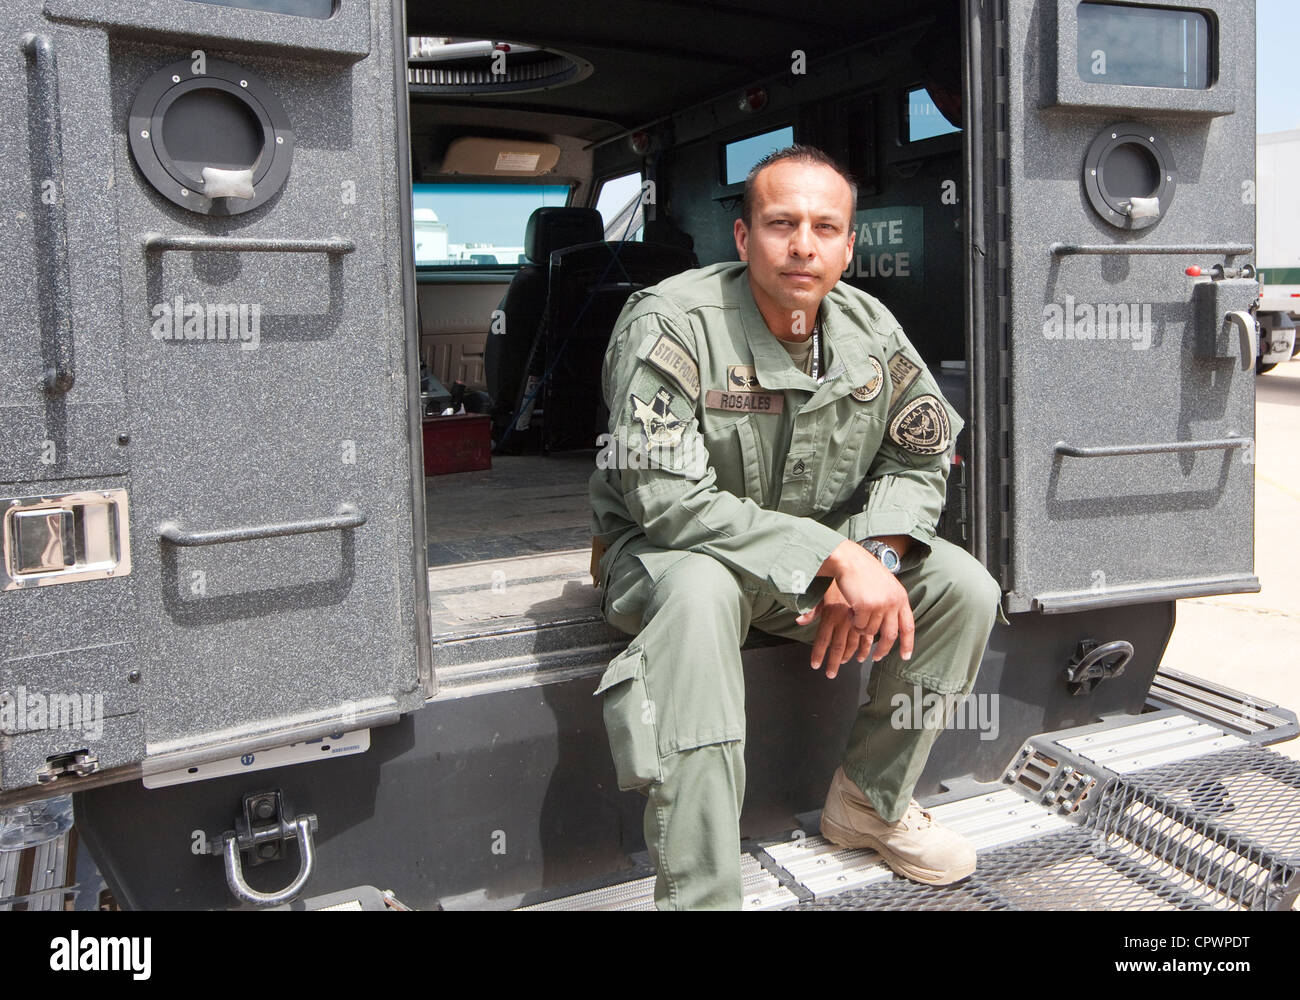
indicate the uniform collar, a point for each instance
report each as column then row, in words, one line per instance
column 841, row 344
column 771, row 361
column 846, row 353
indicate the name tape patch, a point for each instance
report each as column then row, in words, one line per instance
column 745, row 402
column 674, row 362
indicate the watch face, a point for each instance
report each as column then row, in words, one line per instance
column 886, row 554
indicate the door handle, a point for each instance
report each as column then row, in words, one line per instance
column 52, row 243
column 347, row 516
column 1245, row 324
column 1155, row 448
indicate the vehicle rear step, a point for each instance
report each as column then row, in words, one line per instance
column 1187, row 816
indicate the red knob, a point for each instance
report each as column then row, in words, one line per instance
column 1193, row 271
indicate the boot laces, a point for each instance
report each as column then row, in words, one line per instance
column 918, row 818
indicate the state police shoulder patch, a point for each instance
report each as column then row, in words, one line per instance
column 922, row 426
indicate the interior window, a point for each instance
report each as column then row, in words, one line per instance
column 742, row 154
column 620, row 206
column 924, row 119
column 477, row 225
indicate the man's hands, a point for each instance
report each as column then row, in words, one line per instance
column 864, row 602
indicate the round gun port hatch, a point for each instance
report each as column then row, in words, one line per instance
column 217, row 142
column 1130, row 176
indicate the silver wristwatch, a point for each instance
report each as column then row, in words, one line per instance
column 885, row 553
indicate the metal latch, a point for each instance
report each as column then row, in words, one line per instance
column 263, row 832
column 1093, row 663
column 79, row 763
column 64, row 537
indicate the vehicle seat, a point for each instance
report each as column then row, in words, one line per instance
column 589, row 285
column 505, row 355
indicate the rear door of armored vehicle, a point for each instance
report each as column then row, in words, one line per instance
column 208, row 459
column 1118, row 294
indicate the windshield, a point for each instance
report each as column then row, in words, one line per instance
column 477, row 225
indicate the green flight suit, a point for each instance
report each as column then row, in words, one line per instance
column 727, row 478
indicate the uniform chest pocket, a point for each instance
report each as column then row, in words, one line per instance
column 736, row 454
column 848, row 457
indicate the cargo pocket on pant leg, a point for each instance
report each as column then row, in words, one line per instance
column 630, row 720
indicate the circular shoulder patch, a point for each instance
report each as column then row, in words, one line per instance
column 921, row 426
column 866, row 393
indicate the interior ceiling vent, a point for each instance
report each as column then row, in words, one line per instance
column 480, row 67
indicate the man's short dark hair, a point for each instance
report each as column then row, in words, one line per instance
column 800, row 154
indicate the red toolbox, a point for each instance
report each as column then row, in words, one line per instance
column 462, row 443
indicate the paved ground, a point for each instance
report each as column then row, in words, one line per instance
column 1251, row 642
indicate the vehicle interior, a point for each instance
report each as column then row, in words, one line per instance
column 561, row 163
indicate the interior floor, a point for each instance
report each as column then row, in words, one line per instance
column 523, row 505
column 513, row 541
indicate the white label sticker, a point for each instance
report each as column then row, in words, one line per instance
column 336, row 745
column 517, row 161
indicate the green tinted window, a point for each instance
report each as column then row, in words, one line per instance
column 1144, row 46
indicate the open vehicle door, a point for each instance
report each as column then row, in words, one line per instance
column 208, row 460
column 1127, row 372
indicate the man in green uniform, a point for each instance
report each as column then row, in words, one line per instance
column 767, row 424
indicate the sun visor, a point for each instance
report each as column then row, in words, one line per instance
column 486, row 157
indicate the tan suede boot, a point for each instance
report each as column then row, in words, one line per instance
column 916, row 847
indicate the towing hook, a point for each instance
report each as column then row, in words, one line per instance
column 303, row 828
column 263, row 831
column 1093, row 663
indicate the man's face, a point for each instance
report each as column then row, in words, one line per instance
column 799, row 242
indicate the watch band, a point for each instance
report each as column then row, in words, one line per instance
column 887, row 554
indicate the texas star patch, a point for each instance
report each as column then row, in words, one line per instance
column 922, row 426
column 869, row 391
column 657, row 420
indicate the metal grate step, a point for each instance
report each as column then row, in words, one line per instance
column 1216, row 832
column 1259, row 720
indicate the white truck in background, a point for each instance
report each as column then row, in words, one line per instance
column 1277, row 245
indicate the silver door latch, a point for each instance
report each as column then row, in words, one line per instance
column 64, row 537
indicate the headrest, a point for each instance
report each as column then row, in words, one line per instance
column 665, row 231
column 551, row 229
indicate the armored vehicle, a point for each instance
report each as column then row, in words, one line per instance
column 288, row 620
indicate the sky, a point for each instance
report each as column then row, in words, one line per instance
column 1277, row 93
